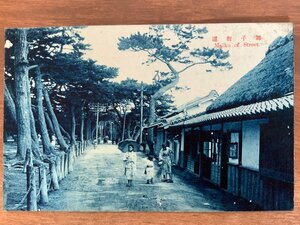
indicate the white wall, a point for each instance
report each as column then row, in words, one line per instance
column 176, row 151
column 250, row 143
column 182, row 141
column 200, row 108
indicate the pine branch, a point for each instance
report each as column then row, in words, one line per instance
column 193, row 64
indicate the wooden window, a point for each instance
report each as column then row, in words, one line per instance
column 233, row 151
column 207, row 149
column 211, row 149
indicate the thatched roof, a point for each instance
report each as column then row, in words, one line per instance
column 271, row 78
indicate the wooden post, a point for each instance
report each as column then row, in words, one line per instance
column 58, row 167
column 66, row 164
column 53, row 174
column 31, row 185
column 78, row 149
column 62, row 166
column 43, row 186
column 97, row 123
column 77, row 153
column 5, row 190
column 70, row 161
column 71, row 158
column 142, row 110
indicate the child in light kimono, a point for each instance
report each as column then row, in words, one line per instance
column 149, row 170
column 130, row 164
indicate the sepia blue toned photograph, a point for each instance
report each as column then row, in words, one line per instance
column 152, row 118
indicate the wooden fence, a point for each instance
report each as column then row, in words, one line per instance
column 267, row 192
column 45, row 177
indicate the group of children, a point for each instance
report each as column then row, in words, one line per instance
column 130, row 159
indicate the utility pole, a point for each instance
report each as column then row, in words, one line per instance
column 142, row 106
column 124, row 124
column 96, row 108
column 97, row 121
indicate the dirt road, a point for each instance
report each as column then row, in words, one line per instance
column 98, row 184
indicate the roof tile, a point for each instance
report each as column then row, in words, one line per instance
column 273, row 105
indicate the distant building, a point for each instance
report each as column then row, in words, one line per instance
column 183, row 113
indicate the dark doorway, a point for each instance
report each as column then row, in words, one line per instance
column 224, row 160
column 276, row 148
column 186, row 149
column 197, row 167
column 206, row 154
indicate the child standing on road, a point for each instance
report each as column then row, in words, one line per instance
column 130, row 164
column 149, row 170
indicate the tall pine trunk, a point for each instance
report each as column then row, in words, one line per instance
column 34, row 138
column 73, row 126
column 73, row 148
column 137, row 132
column 43, row 185
column 49, row 124
column 67, row 135
column 63, row 145
column 157, row 95
column 129, row 136
column 82, row 124
column 22, row 107
column 9, row 103
column 88, row 129
column 10, row 106
column 48, row 149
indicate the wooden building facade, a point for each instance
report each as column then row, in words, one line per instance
column 244, row 141
column 248, row 152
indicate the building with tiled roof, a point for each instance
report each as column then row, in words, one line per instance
column 191, row 109
column 243, row 141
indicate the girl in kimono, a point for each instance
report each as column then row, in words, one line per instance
column 166, row 163
column 130, row 164
column 149, row 170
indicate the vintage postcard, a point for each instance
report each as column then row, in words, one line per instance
column 180, row 118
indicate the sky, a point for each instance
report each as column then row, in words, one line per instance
column 247, row 45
